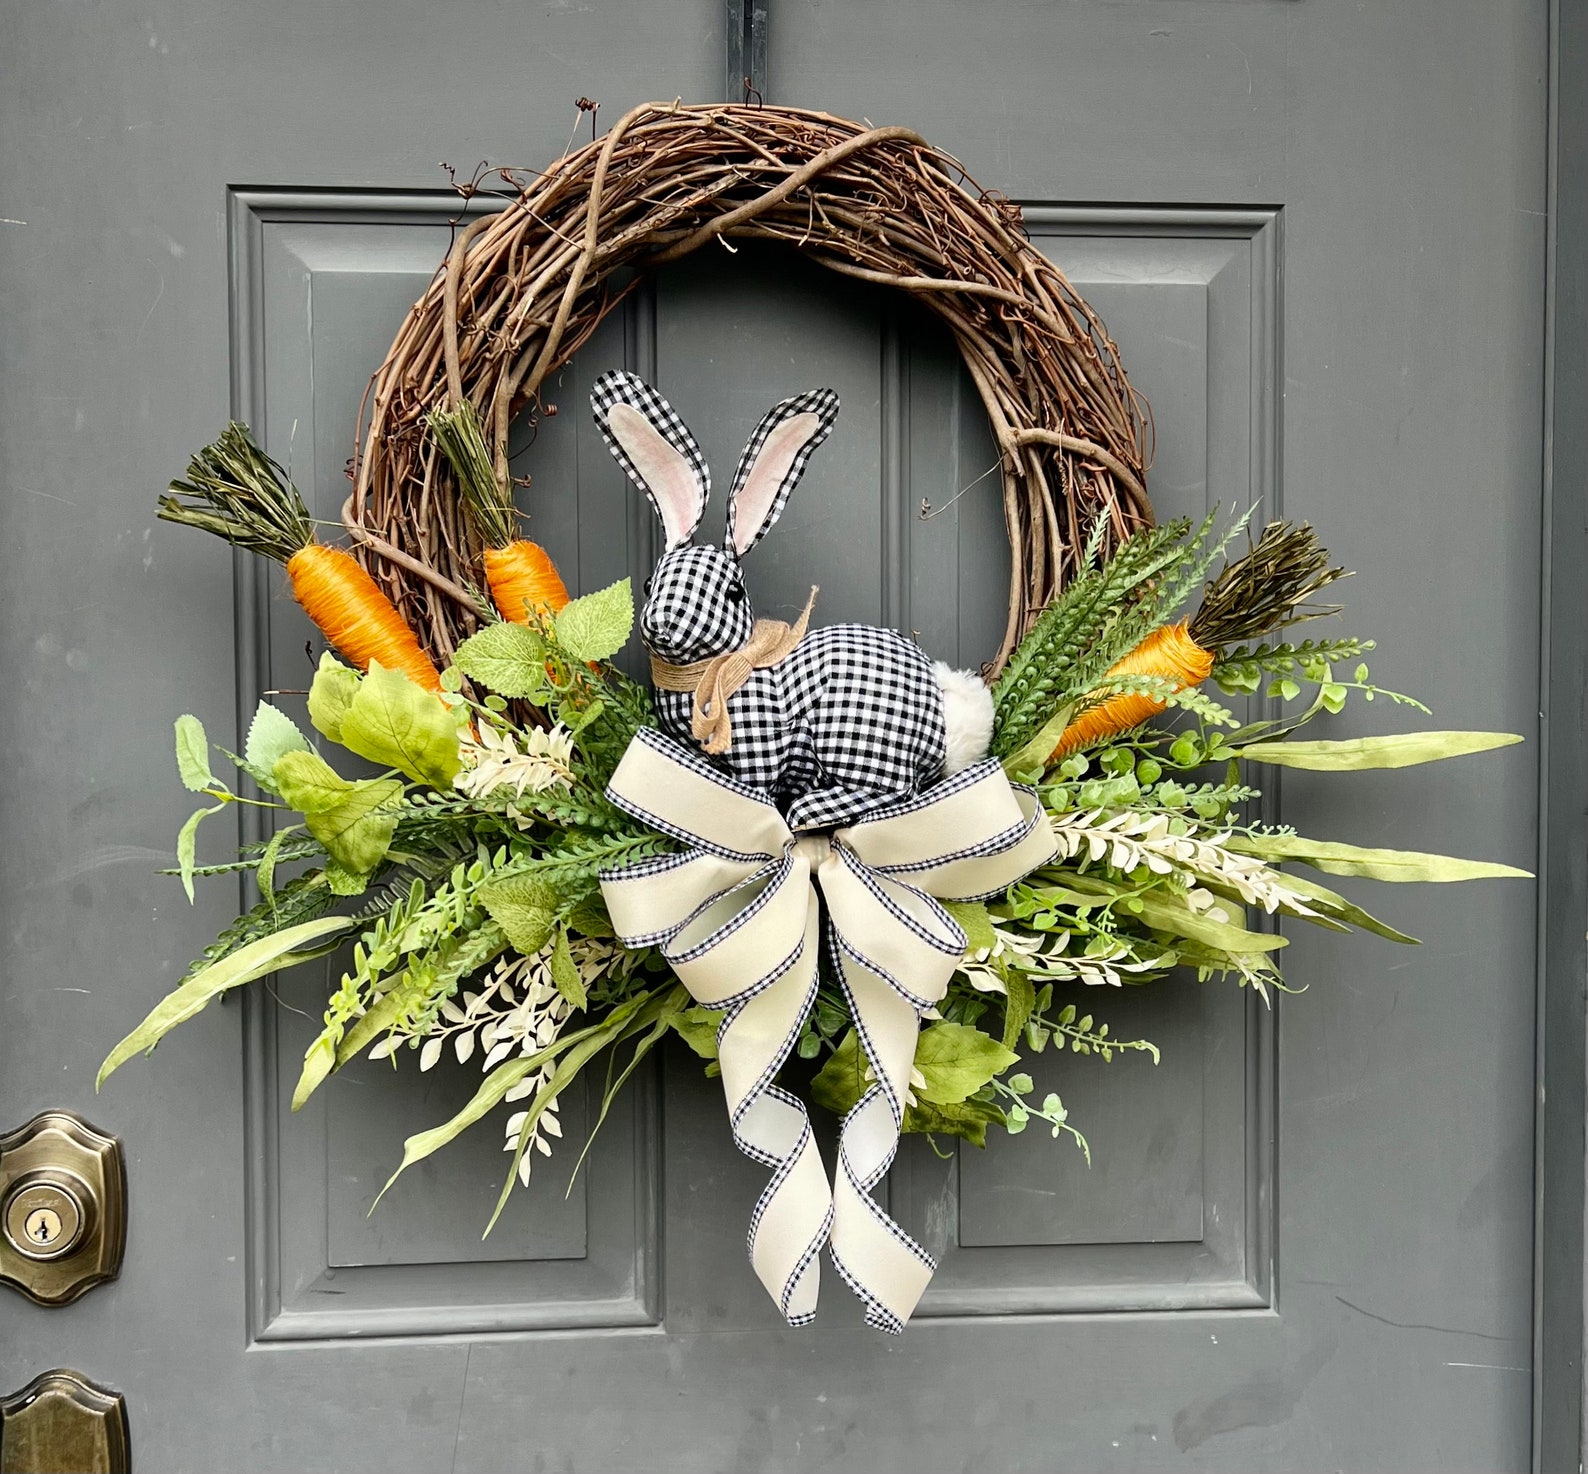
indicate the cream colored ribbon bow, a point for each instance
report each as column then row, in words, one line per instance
column 738, row 914
column 713, row 681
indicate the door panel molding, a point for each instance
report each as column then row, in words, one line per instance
column 1180, row 1213
column 1193, row 292
column 315, row 278
column 1560, row 1339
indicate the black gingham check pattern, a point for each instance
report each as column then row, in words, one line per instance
column 618, row 386
column 823, row 403
column 696, row 607
column 851, row 721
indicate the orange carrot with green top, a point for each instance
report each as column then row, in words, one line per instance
column 1265, row 589
column 237, row 492
column 520, row 574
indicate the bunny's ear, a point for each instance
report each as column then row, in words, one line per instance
column 655, row 447
column 773, row 462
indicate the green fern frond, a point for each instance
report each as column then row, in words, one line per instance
column 1076, row 632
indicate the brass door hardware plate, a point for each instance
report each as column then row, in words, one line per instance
column 63, row 1220
column 61, row 1423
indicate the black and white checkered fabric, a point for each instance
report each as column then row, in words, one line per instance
column 850, row 721
column 618, row 386
column 823, row 403
column 695, row 607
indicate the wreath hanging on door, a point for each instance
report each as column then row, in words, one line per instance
column 803, row 842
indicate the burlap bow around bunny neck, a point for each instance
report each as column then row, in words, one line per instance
column 713, row 681
column 741, row 913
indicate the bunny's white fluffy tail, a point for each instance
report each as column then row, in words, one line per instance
column 967, row 713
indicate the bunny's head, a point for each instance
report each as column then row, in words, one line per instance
column 696, row 605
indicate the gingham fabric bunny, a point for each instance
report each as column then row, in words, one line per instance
column 854, row 716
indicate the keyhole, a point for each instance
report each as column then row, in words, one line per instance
column 43, row 1226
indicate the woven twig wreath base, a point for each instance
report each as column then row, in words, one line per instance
column 522, row 289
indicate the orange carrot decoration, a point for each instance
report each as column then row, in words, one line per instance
column 237, row 492
column 1168, row 652
column 1265, row 589
column 355, row 616
column 520, row 574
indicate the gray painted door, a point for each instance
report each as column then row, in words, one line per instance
column 1315, row 230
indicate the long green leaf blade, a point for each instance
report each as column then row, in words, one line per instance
column 672, row 1006
column 1336, row 908
column 1168, row 912
column 1390, row 865
column 1358, row 754
column 256, row 960
column 616, row 1026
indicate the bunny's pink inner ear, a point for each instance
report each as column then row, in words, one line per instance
column 758, row 498
column 674, row 488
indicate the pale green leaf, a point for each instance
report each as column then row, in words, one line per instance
column 187, row 846
column 841, row 1081
column 1337, row 908
column 1165, row 909
column 957, row 1061
column 697, row 1027
column 330, row 694
column 317, row 1064
column 1357, row 754
column 345, row 882
column 974, row 922
column 269, row 954
column 358, row 831
column 525, row 909
column 967, row 1119
column 597, row 626
column 397, row 724
column 589, row 918
column 565, row 971
column 354, row 821
column 309, row 783
column 271, row 735
column 193, row 754
column 1020, row 1000
column 1029, row 762
column 270, row 857
column 506, row 658
column 1373, row 864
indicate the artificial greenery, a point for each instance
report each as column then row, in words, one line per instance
column 464, row 873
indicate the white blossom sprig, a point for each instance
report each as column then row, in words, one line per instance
column 1127, row 840
column 494, row 760
column 1048, row 955
column 517, row 1008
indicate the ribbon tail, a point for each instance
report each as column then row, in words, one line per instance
column 884, row 1266
column 794, row 1215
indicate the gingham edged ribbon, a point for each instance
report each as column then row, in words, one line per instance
column 738, row 914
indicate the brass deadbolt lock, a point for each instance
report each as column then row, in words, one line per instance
column 62, row 1208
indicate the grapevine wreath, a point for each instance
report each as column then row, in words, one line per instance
column 800, row 839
